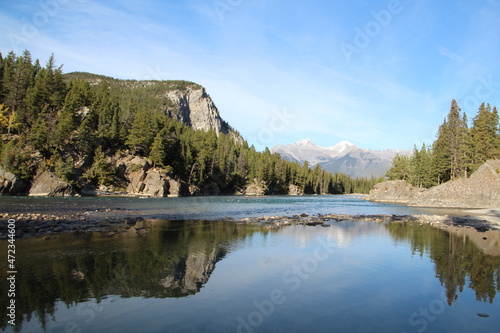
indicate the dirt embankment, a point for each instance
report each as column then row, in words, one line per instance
column 481, row 190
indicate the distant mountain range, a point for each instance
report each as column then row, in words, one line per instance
column 344, row 157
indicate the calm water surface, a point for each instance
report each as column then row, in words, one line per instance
column 210, row 276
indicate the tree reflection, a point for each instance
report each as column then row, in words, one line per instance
column 174, row 259
column 458, row 261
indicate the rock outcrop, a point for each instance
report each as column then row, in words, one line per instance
column 48, row 184
column 149, row 183
column 295, row 190
column 144, row 179
column 195, row 108
column 256, row 188
column 398, row 191
column 481, row 190
column 10, row 184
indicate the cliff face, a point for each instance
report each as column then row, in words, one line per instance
column 481, row 190
column 195, row 108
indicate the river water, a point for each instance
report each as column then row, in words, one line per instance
column 221, row 276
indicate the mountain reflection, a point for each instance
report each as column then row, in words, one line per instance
column 159, row 259
column 459, row 257
column 165, row 259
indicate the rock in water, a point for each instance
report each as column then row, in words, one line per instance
column 48, row 184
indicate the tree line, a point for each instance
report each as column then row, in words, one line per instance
column 72, row 124
column 458, row 150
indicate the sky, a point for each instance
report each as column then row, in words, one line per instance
column 380, row 74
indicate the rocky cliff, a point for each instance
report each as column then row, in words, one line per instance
column 185, row 101
column 194, row 107
column 481, row 190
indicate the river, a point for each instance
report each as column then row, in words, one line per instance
column 198, row 274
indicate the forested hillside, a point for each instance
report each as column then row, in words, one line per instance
column 457, row 152
column 73, row 124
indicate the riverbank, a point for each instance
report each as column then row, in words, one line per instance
column 115, row 221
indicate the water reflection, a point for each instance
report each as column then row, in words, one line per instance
column 175, row 259
column 153, row 259
column 459, row 262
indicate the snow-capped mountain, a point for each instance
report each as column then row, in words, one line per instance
column 344, row 157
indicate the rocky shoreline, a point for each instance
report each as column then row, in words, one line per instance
column 47, row 226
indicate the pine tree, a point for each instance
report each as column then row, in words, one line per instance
column 158, row 154
column 400, row 169
column 484, row 136
column 19, row 75
column 142, row 133
column 2, row 90
column 441, row 155
column 102, row 171
column 457, row 132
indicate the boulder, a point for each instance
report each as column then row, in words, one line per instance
column 155, row 182
column 178, row 188
column 295, row 190
column 48, row 184
column 398, row 191
column 256, row 188
column 152, row 183
column 10, row 184
column 194, row 190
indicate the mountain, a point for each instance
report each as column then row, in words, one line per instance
column 344, row 157
column 86, row 134
column 184, row 101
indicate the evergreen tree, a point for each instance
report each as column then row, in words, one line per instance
column 484, row 136
column 158, row 154
column 2, row 90
column 142, row 133
column 400, row 169
column 101, row 171
column 457, row 131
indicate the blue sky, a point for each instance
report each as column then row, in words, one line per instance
column 380, row 74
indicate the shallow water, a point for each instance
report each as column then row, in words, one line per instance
column 211, row 207
column 209, row 276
